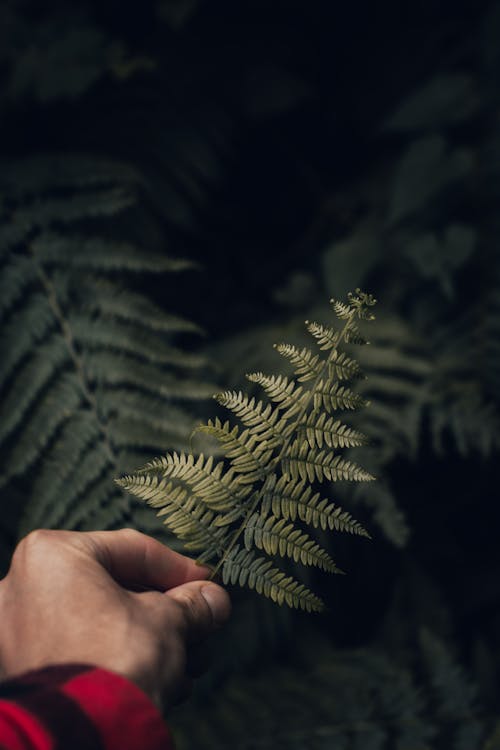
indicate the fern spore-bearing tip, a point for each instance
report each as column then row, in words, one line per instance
column 259, row 497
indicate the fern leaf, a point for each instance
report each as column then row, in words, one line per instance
column 248, row 453
column 67, row 331
column 147, row 409
column 33, row 377
column 332, row 396
column 342, row 310
column 277, row 536
column 45, row 212
column 220, row 490
column 113, row 369
column 136, row 433
column 291, row 500
column 24, row 331
column 320, row 429
column 97, row 499
column 303, row 462
column 354, row 336
column 94, row 465
column 342, row 367
column 40, row 427
column 109, row 300
column 271, row 462
column 285, row 393
column 101, row 255
column 261, row 420
column 74, row 439
column 243, row 568
column 134, row 340
column 307, row 366
column 185, row 514
column 327, row 337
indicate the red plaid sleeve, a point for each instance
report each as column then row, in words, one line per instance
column 76, row 707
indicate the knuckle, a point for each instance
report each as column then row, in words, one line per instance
column 130, row 533
column 36, row 539
column 194, row 609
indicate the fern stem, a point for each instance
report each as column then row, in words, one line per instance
column 339, row 336
column 75, row 357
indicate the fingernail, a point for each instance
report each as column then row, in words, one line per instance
column 216, row 599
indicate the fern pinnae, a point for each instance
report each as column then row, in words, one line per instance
column 283, row 448
column 262, row 420
column 276, row 536
column 322, row 429
column 306, row 364
column 257, row 573
column 334, row 340
column 295, row 499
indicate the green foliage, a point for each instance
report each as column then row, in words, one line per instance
column 328, row 698
column 90, row 371
column 253, row 499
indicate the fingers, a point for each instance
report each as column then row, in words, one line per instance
column 204, row 606
column 137, row 560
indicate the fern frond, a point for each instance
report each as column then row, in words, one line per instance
column 327, row 337
column 342, row 367
column 90, row 372
column 94, row 465
column 291, row 500
column 97, row 497
column 45, row 363
column 73, row 441
column 131, row 339
column 271, row 463
column 59, row 404
column 354, row 336
column 148, row 409
column 332, row 396
column 243, row 568
column 185, row 514
column 112, row 369
column 107, row 300
column 342, row 310
column 22, row 332
column 220, row 490
column 249, row 454
column 304, row 462
column 277, row 536
column 320, row 429
column 283, row 391
column 262, row 420
column 44, row 212
column 307, row 366
column 101, row 255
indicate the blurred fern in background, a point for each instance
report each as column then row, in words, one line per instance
column 290, row 156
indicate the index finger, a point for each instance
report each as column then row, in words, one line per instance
column 137, row 560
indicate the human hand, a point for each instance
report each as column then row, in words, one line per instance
column 115, row 599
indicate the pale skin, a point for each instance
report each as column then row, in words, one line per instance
column 114, row 599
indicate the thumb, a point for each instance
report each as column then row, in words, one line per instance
column 205, row 606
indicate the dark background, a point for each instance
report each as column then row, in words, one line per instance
column 294, row 150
